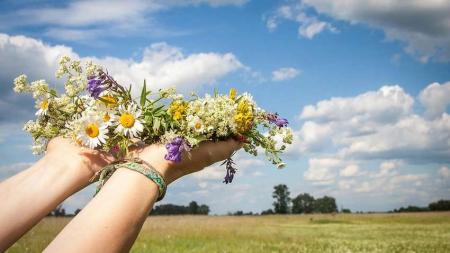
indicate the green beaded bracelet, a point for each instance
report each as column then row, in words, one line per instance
column 137, row 165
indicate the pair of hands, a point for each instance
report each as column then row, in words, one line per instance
column 89, row 161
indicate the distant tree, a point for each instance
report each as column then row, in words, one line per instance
column 238, row 213
column 346, row 210
column 411, row 209
column 58, row 211
column 203, row 209
column 282, row 199
column 171, row 209
column 441, row 205
column 303, row 203
column 193, row 207
column 266, row 212
column 325, row 204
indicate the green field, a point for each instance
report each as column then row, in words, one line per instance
column 412, row 232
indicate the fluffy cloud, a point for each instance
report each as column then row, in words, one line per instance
column 88, row 21
column 423, row 25
column 161, row 65
column 322, row 171
column 435, row 98
column 377, row 125
column 244, row 163
column 309, row 26
column 349, row 171
column 387, row 104
column 444, row 172
column 367, row 143
column 283, row 74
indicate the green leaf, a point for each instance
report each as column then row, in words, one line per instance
column 157, row 110
column 156, row 124
column 144, row 94
column 53, row 92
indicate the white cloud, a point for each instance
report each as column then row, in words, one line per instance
column 387, row 104
column 161, row 65
column 374, row 125
column 211, row 173
column 312, row 137
column 423, row 25
column 375, row 138
column 309, row 26
column 243, row 162
column 90, row 21
column 444, row 172
column 214, row 3
column 283, row 74
column 386, row 180
column 350, row 170
column 436, row 98
column 322, row 171
column 84, row 13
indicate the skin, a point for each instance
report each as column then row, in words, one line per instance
column 112, row 220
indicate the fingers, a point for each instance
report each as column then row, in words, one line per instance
column 212, row 152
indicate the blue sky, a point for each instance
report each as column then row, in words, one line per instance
column 365, row 87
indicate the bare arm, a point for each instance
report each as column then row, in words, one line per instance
column 113, row 219
column 63, row 171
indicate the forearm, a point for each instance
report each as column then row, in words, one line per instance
column 30, row 195
column 113, row 219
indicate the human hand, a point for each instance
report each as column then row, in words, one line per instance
column 63, row 151
column 207, row 153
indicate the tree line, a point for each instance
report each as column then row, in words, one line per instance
column 171, row 209
column 303, row 203
column 441, row 205
column 165, row 209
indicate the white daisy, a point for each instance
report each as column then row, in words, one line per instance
column 43, row 107
column 128, row 122
column 92, row 132
column 195, row 123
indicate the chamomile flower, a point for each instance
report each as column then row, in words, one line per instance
column 91, row 131
column 195, row 123
column 128, row 122
column 42, row 106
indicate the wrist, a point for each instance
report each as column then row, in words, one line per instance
column 154, row 156
column 164, row 168
column 76, row 165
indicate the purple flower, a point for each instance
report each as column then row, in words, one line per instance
column 274, row 118
column 175, row 149
column 95, row 86
column 231, row 170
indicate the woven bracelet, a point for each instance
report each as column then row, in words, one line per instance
column 135, row 164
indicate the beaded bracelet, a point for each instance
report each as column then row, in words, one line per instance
column 135, row 164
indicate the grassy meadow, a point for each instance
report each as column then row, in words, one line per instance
column 407, row 232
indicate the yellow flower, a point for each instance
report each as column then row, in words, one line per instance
column 92, row 130
column 232, row 93
column 109, row 101
column 127, row 120
column 244, row 116
column 177, row 109
column 106, row 117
